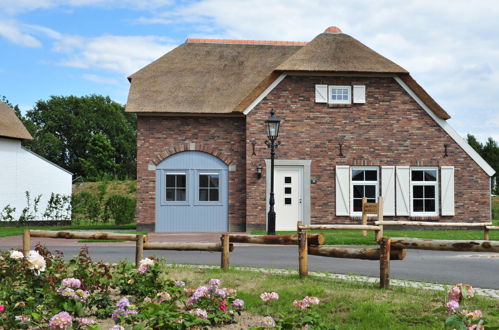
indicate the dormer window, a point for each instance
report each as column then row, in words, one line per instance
column 340, row 94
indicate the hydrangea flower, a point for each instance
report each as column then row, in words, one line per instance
column 16, row 255
column 268, row 296
column 23, row 318
column 201, row 313
column 180, row 284
column 123, row 302
column 71, row 282
column 60, row 320
column 117, row 327
column 214, row 282
column 83, row 321
column 268, row 322
column 452, row 306
column 238, row 304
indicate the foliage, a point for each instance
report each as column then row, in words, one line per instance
column 7, row 213
column 120, row 209
column 91, row 136
column 85, row 206
column 27, row 214
column 489, row 151
column 58, row 207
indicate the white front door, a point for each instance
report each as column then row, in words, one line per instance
column 288, row 194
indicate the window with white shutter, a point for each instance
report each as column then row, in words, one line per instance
column 447, row 187
column 402, row 183
column 388, row 189
column 364, row 183
column 342, row 190
column 320, row 93
column 424, row 191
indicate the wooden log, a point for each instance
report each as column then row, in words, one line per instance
column 178, row 246
column 339, row 227
column 445, row 245
column 432, row 224
column 355, row 253
column 26, row 241
column 139, row 250
column 85, row 235
column 313, row 239
column 364, row 215
column 381, row 203
column 225, row 251
column 302, row 254
column 492, row 227
column 486, row 233
column 384, row 263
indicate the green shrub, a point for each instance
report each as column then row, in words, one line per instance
column 119, row 208
column 86, row 206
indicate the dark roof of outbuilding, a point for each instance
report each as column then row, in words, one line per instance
column 222, row 76
column 10, row 125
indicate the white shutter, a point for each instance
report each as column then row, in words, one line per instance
column 447, row 188
column 403, row 188
column 359, row 94
column 320, row 93
column 388, row 189
column 342, row 190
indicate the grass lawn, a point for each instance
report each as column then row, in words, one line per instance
column 13, row 231
column 346, row 305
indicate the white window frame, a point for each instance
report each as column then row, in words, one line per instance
column 352, row 183
column 330, row 90
column 435, row 184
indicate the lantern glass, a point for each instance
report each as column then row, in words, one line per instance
column 272, row 126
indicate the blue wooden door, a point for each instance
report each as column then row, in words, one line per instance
column 191, row 193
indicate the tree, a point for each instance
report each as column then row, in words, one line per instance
column 489, row 152
column 91, row 136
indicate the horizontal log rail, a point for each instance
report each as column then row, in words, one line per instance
column 313, row 239
column 492, row 227
column 432, row 224
column 445, row 245
column 84, row 235
column 339, row 227
column 179, row 246
column 355, row 253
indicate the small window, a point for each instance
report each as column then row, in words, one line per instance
column 340, row 94
column 365, row 183
column 175, row 187
column 424, row 191
column 208, row 188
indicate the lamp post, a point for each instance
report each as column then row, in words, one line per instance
column 272, row 125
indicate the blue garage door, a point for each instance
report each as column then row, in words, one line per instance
column 191, row 193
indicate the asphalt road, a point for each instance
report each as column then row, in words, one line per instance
column 478, row 269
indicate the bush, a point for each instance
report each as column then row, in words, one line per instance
column 86, row 206
column 119, row 208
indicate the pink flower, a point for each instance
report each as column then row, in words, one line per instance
column 71, row 283
column 301, row 304
column 83, row 321
column 223, row 305
column 268, row 296
column 201, row 313
column 2, row 308
column 452, row 306
column 238, row 304
column 311, row 300
column 142, row 269
column 123, row 302
column 163, row 296
column 180, row 284
column 474, row 314
column 268, row 322
column 147, row 300
column 455, row 293
column 221, row 292
column 61, row 320
column 214, row 282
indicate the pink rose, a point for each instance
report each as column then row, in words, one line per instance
column 2, row 308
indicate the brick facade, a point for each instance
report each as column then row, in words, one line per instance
column 389, row 129
column 159, row 137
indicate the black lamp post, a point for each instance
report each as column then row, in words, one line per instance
column 272, row 125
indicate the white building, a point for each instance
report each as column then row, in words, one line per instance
column 22, row 170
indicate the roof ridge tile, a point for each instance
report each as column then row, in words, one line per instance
column 245, row 42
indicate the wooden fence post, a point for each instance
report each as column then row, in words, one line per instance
column 381, row 203
column 26, row 241
column 364, row 215
column 302, row 252
column 139, row 250
column 384, row 263
column 486, row 233
column 225, row 251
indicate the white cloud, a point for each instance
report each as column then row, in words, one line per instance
column 122, row 54
column 100, row 79
column 11, row 31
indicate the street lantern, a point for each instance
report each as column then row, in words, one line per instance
column 272, row 126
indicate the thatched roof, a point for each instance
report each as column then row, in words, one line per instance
column 204, row 77
column 10, row 125
column 338, row 52
column 221, row 76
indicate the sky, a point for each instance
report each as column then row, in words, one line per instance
column 82, row 47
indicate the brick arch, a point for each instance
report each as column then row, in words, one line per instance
column 167, row 152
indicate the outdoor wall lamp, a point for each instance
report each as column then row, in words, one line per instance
column 258, row 171
column 272, row 125
column 445, row 151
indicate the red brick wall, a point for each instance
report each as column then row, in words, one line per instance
column 158, row 137
column 390, row 129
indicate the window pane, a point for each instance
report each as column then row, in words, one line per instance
column 214, row 181
column 203, row 181
column 417, row 175
column 418, row 205
column 287, row 179
column 371, row 200
column 357, row 205
column 371, row 175
column 370, row 191
column 170, row 194
column 180, row 195
column 287, row 201
column 357, row 175
column 203, row 195
column 214, row 195
column 430, row 175
column 287, row 190
column 170, row 180
column 429, row 192
column 181, row 181
column 429, row 205
column 358, row 191
column 417, row 191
